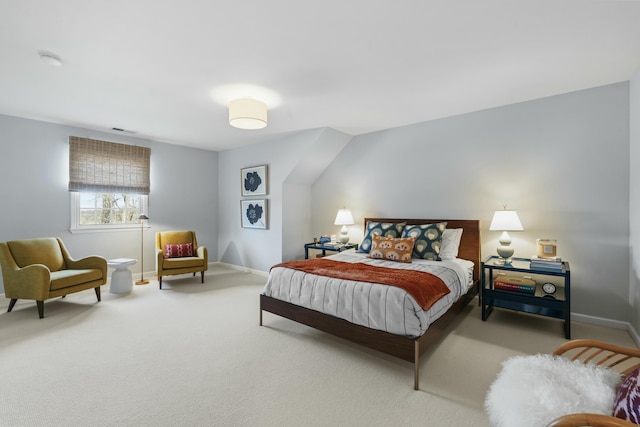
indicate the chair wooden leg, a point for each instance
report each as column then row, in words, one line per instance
column 160, row 281
column 194, row 274
column 40, row 305
column 202, row 277
column 97, row 289
column 11, row 304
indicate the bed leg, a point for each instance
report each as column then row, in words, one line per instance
column 261, row 316
column 416, row 365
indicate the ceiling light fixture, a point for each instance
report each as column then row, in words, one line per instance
column 50, row 58
column 247, row 113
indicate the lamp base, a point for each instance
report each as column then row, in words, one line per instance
column 344, row 235
column 142, row 282
column 505, row 252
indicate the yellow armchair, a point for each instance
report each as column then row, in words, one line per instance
column 40, row 269
column 167, row 266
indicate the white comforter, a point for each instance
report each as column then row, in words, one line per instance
column 377, row 306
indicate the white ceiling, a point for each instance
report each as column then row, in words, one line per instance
column 160, row 68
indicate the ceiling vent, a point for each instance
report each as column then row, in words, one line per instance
column 123, row 130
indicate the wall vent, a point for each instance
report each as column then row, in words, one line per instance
column 123, row 130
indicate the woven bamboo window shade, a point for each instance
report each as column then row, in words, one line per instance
column 108, row 167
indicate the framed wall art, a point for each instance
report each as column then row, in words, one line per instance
column 254, row 213
column 254, row 181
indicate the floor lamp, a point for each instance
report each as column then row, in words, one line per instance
column 142, row 219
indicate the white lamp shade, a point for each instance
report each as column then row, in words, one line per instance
column 344, row 217
column 247, row 113
column 506, row 221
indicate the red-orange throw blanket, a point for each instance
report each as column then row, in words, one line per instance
column 424, row 287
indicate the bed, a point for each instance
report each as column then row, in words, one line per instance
column 407, row 344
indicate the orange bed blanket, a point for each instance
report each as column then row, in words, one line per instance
column 424, row 287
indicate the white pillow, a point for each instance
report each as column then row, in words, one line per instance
column 532, row 391
column 450, row 243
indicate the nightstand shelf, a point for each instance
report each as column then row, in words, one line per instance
column 324, row 248
column 557, row 305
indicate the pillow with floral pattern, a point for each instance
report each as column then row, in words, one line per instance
column 428, row 239
column 391, row 249
column 386, row 229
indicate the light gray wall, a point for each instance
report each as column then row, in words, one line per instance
column 294, row 163
column 297, row 191
column 256, row 249
column 34, row 169
column 561, row 162
column 634, row 201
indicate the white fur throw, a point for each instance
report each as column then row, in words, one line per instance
column 532, row 391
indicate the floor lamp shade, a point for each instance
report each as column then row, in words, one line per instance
column 142, row 219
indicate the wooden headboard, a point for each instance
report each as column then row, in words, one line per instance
column 469, row 244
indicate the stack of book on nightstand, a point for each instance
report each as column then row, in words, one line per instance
column 550, row 263
column 334, row 244
column 516, row 284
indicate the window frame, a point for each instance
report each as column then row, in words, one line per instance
column 76, row 227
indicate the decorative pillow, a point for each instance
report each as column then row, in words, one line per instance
column 386, row 229
column 428, row 239
column 450, row 243
column 627, row 402
column 532, row 391
column 391, row 249
column 178, row 251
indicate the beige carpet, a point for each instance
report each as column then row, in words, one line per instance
column 193, row 354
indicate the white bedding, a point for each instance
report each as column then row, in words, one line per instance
column 376, row 306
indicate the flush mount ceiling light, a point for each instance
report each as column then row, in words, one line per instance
column 50, row 58
column 247, row 113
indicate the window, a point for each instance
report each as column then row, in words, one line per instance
column 108, row 211
column 109, row 184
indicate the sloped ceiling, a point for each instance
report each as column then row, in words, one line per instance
column 165, row 69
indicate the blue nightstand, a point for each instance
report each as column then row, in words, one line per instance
column 556, row 305
column 337, row 247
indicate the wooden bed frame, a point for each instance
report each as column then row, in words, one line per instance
column 409, row 349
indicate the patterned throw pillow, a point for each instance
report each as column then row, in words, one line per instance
column 627, row 403
column 386, row 229
column 178, row 251
column 391, row 249
column 428, row 238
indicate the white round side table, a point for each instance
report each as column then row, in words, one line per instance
column 121, row 280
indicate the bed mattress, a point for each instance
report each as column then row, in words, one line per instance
column 373, row 305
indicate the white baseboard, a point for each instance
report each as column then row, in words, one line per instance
column 153, row 274
column 634, row 335
column 600, row 321
column 244, row 269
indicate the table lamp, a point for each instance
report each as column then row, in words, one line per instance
column 344, row 218
column 505, row 220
